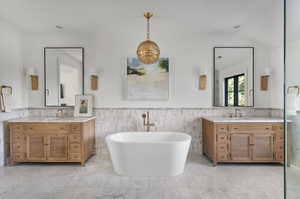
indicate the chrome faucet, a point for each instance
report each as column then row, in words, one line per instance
column 146, row 118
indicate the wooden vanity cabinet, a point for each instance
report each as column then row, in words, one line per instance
column 52, row 142
column 243, row 142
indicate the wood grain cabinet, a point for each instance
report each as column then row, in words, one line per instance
column 51, row 142
column 243, row 142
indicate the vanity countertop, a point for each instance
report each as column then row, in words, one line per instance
column 51, row 119
column 243, row 119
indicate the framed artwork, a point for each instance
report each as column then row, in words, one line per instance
column 83, row 106
column 147, row 81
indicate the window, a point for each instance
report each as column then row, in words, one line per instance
column 235, row 90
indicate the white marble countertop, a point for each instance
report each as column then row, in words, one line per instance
column 243, row 119
column 52, row 119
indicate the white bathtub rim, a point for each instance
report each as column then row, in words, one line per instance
column 188, row 138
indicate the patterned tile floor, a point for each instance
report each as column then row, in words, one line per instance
column 98, row 181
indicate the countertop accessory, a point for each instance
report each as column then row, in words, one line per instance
column 83, row 106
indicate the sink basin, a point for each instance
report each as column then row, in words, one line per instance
column 55, row 118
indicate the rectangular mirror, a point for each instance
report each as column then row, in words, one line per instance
column 64, row 75
column 233, row 76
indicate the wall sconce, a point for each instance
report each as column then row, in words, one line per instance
column 94, row 82
column 202, row 79
column 34, row 78
column 94, row 74
column 264, row 79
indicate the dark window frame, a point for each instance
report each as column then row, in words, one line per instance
column 235, row 89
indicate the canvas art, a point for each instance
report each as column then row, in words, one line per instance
column 147, row 81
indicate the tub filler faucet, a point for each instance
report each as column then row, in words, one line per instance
column 146, row 118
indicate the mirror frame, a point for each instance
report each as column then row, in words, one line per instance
column 214, row 77
column 45, row 76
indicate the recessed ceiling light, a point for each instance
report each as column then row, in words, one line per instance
column 59, row 27
column 237, row 26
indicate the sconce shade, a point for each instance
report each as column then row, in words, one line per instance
column 264, row 82
column 34, row 82
column 148, row 52
column 202, row 82
column 94, row 82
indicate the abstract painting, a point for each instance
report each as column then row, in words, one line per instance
column 147, row 81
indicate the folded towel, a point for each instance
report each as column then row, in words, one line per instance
column 2, row 109
column 292, row 103
column 6, row 99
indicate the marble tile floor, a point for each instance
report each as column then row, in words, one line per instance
column 97, row 180
column 293, row 182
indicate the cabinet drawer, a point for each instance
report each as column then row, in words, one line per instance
column 279, row 127
column 75, row 157
column 47, row 128
column 222, row 157
column 279, row 147
column 279, row 156
column 75, row 138
column 17, row 127
column 250, row 127
column 18, row 156
column 279, row 138
column 18, row 147
column 279, row 133
column 18, row 137
column 76, row 128
column 75, row 148
column 221, row 137
column 222, row 147
column 221, row 128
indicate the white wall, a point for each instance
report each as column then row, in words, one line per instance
column 187, row 51
column 34, row 55
column 277, row 77
column 107, row 50
column 11, row 68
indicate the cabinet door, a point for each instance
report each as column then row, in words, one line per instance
column 36, row 147
column 263, row 147
column 240, row 149
column 57, row 147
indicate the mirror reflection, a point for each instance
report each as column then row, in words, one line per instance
column 63, row 75
column 233, row 76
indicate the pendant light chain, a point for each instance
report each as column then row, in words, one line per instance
column 148, row 28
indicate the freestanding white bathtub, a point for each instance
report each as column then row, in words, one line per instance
column 148, row 153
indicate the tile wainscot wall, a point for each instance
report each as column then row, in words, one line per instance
column 113, row 120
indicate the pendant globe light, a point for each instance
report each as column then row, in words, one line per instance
column 148, row 51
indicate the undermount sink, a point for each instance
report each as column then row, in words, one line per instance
column 238, row 118
column 55, row 118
